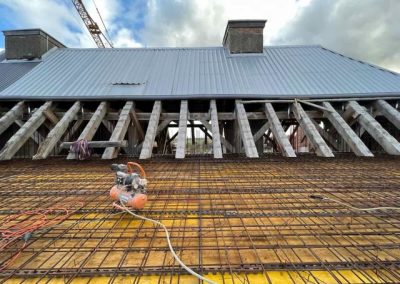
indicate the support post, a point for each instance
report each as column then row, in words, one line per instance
column 245, row 131
column 10, row 117
column 216, row 138
column 225, row 142
column 56, row 133
column 387, row 141
column 181, row 143
column 148, row 143
column 321, row 148
column 279, row 134
column 392, row 114
column 119, row 131
column 346, row 132
column 92, row 126
column 22, row 135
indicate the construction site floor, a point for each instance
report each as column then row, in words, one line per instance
column 233, row 220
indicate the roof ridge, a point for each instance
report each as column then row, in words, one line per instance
column 362, row 62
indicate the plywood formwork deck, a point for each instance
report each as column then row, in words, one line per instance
column 234, row 220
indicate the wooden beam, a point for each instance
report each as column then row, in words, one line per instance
column 245, row 131
column 391, row 114
column 71, row 133
column 387, row 141
column 321, row 148
column 119, row 131
column 181, row 143
column 137, row 124
column 99, row 144
column 92, row 126
column 22, row 135
column 108, row 125
column 327, row 136
column 225, row 142
column 36, row 136
column 51, row 116
column 278, row 132
column 56, row 133
column 261, row 131
column 10, row 117
column 147, row 148
column 346, row 132
column 216, row 137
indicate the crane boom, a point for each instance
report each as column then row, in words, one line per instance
column 91, row 25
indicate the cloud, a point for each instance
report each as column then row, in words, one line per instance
column 53, row 16
column 203, row 22
column 124, row 38
column 367, row 30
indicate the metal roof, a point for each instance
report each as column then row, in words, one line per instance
column 12, row 71
column 177, row 73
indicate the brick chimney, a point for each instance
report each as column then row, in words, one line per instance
column 28, row 44
column 244, row 36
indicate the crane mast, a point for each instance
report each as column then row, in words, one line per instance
column 91, row 25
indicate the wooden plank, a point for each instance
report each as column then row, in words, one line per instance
column 56, row 133
column 99, row 144
column 92, row 126
column 36, row 136
column 321, row 148
column 216, row 137
column 278, row 132
column 392, row 114
column 137, row 124
column 119, row 131
column 245, row 131
column 71, row 132
column 261, row 131
column 10, row 117
column 108, row 125
column 346, row 132
column 51, row 116
column 181, row 142
column 23, row 134
column 147, row 148
column 387, row 141
column 225, row 142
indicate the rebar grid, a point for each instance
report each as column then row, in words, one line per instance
column 234, row 215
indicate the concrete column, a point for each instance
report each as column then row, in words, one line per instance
column 387, row 141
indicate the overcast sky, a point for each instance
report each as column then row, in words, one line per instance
column 364, row 29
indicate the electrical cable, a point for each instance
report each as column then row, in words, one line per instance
column 101, row 19
column 11, row 229
column 123, row 207
column 320, row 197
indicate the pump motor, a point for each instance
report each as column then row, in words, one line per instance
column 130, row 185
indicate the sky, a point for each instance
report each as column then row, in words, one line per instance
column 367, row 30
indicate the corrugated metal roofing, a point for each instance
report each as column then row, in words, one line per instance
column 11, row 72
column 176, row 73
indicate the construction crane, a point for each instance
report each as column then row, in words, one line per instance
column 99, row 38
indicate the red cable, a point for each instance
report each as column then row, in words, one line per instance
column 37, row 219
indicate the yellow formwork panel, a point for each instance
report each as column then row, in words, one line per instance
column 245, row 217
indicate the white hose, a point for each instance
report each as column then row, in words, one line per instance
column 362, row 209
column 169, row 244
column 352, row 207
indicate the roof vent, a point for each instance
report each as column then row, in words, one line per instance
column 244, row 36
column 28, row 44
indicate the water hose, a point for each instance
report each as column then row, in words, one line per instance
column 123, row 207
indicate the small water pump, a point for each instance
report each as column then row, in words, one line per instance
column 130, row 185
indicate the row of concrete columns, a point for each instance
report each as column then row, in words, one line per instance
column 239, row 135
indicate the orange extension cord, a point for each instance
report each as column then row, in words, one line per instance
column 12, row 230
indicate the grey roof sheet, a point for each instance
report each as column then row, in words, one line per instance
column 176, row 73
column 11, row 72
